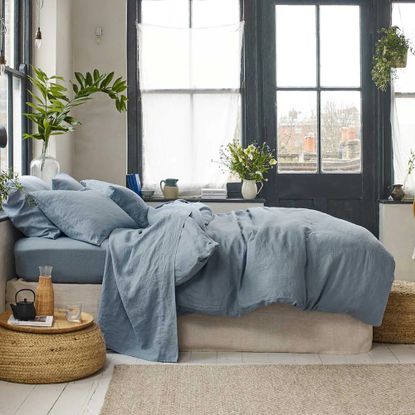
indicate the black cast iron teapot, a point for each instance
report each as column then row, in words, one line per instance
column 24, row 310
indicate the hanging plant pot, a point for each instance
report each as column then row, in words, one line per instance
column 391, row 53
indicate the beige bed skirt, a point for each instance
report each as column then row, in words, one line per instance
column 276, row 328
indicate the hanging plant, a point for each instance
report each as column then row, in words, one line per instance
column 391, row 53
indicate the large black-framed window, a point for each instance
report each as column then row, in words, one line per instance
column 13, row 84
column 318, row 88
column 176, row 95
column 349, row 194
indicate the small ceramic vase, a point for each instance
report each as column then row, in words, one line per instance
column 249, row 189
column 397, row 192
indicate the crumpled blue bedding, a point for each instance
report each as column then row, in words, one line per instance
column 264, row 255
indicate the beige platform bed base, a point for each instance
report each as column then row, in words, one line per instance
column 276, row 328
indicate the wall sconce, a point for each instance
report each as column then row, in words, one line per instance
column 38, row 35
column 98, row 34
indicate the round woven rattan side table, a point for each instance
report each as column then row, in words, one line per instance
column 62, row 353
column 398, row 324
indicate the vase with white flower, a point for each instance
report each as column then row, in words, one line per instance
column 250, row 164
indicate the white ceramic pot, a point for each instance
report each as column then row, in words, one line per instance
column 250, row 189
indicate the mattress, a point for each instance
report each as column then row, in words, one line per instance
column 74, row 262
column 276, row 328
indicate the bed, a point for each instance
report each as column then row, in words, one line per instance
column 261, row 279
column 78, row 270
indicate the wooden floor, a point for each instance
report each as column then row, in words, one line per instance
column 86, row 396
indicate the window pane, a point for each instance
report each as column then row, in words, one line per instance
column 9, row 37
column 216, row 57
column 190, row 58
column 164, row 58
column 297, row 132
column 205, row 12
column 180, row 140
column 341, row 131
column 340, row 45
column 169, row 13
column 404, row 16
column 3, row 120
column 17, row 125
column 296, row 45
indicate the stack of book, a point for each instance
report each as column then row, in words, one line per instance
column 214, row 193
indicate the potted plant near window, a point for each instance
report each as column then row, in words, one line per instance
column 391, row 53
column 251, row 164
column 52, row 105
column 8, row 182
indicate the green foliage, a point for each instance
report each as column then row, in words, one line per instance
column 411, row 162
column 8, row 181
column 251, row 163
column 391, row 51
column 52, row 103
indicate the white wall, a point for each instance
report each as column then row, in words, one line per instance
column 397, row 232
column 101, row 142
column 97, row 148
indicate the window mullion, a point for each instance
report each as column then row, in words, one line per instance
column 318, row 74
column 10, row 129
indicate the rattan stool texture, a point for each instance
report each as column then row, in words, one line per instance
column 50, row 358
column 398, row 324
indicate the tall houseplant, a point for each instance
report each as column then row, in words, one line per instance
column 52, row 105
column 391, row 53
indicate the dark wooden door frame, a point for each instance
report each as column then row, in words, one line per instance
column 376, row 145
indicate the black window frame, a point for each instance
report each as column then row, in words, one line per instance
column 258, row 105
column 19, row 69
column 134, row 116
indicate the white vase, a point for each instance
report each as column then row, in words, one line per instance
column 45, row 166
column 250, row 189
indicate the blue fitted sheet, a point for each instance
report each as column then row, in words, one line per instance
column 74, row 262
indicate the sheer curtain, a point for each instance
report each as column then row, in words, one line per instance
column 403, row 102
column 190, row 89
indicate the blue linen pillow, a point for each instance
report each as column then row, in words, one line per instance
column 23, row 212
column 63, row 181
column 194, row 249
column 125, row 198
column 86, row 216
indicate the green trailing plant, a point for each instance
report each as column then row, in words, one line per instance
column 250, row 163
column 52, row 102
column 390, row 53
column 8, row 182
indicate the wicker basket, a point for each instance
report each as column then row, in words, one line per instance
column 50, row 358
column 398, row 324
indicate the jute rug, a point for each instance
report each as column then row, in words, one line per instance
column 262, row 389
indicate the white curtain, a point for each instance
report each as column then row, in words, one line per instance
column 403, row 133
column 189, row 80
column 403, row 102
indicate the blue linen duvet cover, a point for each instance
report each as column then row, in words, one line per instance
column 264, row 255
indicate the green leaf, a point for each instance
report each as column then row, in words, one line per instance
column 88, row 78
column 107, row 80
column 80, row 78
